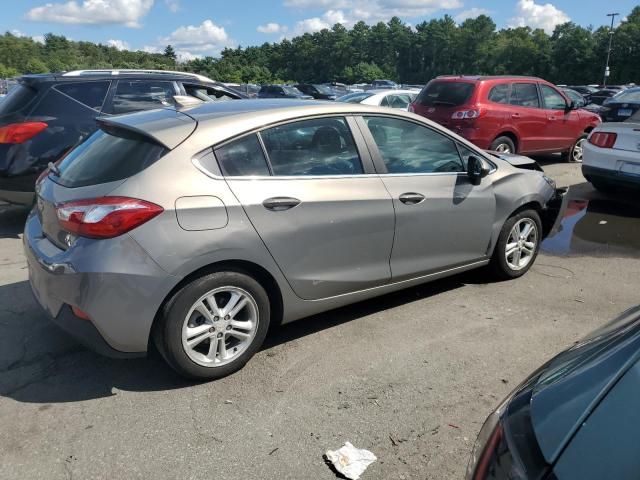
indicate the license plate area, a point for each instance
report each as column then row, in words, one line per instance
column 630, row 168
column 624, row 112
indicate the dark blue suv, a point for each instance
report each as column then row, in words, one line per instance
column 44, row 116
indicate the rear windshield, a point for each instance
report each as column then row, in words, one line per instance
column 354, row 97
column 18, row 99
column 450, row 94
column 632, row 96
column 108, row 155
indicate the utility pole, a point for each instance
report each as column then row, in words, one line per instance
column 606, row 68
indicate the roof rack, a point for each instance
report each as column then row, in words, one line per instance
column 125, row 71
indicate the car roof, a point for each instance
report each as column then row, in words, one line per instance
column 220, row 121
column 89, row 75
column 481, row 78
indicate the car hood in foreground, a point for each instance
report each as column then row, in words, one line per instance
column 572, row 385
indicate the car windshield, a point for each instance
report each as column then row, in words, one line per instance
column 323, row 89
column 451, row 94
column 292, row 90
column 629, row 96
column 17, row 99
column 354, row 97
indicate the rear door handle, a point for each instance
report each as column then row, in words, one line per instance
column 515, row 115
column 551, row 118
column 278, row 204
column 411, row 198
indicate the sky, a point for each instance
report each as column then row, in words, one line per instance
column 198, row 28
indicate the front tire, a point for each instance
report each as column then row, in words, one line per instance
column 574, row 155
column 212, row 326
column 518, row 245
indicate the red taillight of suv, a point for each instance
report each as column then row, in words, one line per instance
column 105, row 217
column 21, row 132
column 603, row 139
column 470, row 114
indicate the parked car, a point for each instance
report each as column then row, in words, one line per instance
column 621, row 106
column 584, row 90
column 197, row 231
column 577, row 98
column 576, row 417
column 378, row 84
column 601, row 96
column 317, row 91
column 526, row 115
column 282, row 91
column 44, row 116
column 612, row 155
column 383, row 98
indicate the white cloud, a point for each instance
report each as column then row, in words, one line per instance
column 152, row 49
column 474, row 12
column 272, row 27
column 125, row 12
column 531, row 14
column 204, row 38
column 36, row 38
column 328, row 20
column 172, row 5
column 184, row 56
column 118, row 44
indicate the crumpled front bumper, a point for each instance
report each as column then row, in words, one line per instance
column 551, row 214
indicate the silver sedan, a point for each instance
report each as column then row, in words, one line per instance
column 198, row 228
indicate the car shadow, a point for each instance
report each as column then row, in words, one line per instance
column 12, row 220
column 41, row 364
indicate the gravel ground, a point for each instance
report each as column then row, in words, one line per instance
column 410, row 376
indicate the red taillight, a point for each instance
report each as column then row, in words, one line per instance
column 603, row 139
column 482, row 468
column 80, row 313
column 467, row 114
column 20, row 132
column 105, row 217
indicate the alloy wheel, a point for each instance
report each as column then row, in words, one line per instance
column 521, row 244
column 503, row 148
column 220, row 326
column 576, row 153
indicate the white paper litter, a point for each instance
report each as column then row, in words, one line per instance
column 350, row 461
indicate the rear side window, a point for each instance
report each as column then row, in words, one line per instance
column 451, row 94
column 525, row 95
column 499, row 93
column 242, row 157
column 552, row 99
column 108, row 155
column 91, row 94
column 135, row 95
column 323, row 146
column 18, row 99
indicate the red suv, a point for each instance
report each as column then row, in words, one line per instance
column 507, row 114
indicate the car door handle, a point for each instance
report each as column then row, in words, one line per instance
column 278, row 204
column 551, row 118
column 515, row 115
column 411, row 198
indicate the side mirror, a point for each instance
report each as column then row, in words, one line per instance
column 476, row 170
column 572, row 105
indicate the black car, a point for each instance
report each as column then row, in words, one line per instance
column 576, row 417
column 282, row 91
column 584, row 90
column 319, row 92
column 600, row 96
column 621, row 107
column 44, row 116
column 383, row 84
column 576, row 97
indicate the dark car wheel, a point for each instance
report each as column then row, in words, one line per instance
column 518, row 245
column 575, row 154
column 212, row 326
column 503, row 145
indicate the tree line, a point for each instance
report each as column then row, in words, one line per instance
column 572, row 54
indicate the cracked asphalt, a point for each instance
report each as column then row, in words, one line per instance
column 410, row 376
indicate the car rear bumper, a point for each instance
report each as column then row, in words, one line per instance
column 612, row 177
column 113, row 281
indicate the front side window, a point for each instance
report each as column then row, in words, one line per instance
column 499, row 93
column 91, row 94
column 322, row 146
column 525, row 95
column 136, row 95
column 407, row 147
column 242, row 157
column 552, row 99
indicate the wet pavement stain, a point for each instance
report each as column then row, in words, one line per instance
column 595, row 224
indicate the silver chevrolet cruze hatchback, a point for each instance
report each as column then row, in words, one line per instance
column 196, row 229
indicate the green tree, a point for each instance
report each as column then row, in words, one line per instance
column 170, row 53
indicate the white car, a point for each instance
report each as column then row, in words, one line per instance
column 611, row 155
column 399, row 99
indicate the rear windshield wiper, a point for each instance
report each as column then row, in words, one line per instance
column 53, row 168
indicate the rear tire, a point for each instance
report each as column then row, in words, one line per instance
column 503, row 144
column 212, row 326
column 518, row 245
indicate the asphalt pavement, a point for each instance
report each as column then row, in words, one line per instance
column 410, row 376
